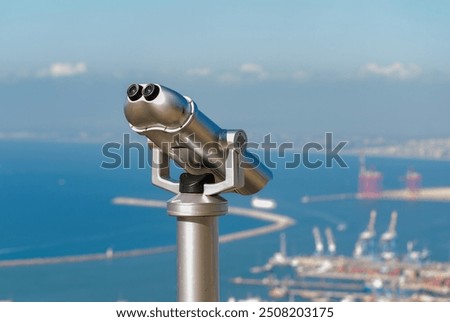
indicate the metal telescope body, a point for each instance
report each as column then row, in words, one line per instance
column 215, row 161
column 174, row 124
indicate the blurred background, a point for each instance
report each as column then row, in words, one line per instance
column 375, row 74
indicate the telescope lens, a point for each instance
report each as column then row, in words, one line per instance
column 134, row 92
column 150, row 92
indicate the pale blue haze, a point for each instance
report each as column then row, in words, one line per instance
column 358, row 68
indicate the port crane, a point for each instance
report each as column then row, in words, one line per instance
column 387, row 240
column 330, row 241
column 391, row 232
column 283, row 245
column 318, row 241
column 280, row 258
column 365, row 242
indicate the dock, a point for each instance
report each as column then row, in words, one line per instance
column 433, row 194
column 346, row 277
column 86, row 258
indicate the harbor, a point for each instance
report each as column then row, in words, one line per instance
column 331, row 249
column 376, row 272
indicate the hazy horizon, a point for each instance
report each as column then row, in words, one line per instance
column 358, row 69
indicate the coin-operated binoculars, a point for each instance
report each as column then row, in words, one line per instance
column 215, row 161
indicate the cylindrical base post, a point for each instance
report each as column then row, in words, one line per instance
column 197, row 239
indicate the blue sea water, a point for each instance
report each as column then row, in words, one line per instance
column 55, row 200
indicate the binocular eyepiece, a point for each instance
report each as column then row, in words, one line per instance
column 175, row 125
column 136, row 91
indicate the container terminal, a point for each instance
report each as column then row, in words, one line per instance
column 375, row 272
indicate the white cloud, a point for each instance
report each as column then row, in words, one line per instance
column 253, row 69
column 300, row 75
column 248, row 73
column 245, row 72
column 395, row 70
column 63, row 70
column 229, row 78
column 199, row 72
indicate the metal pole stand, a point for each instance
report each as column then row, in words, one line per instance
column 197, row 206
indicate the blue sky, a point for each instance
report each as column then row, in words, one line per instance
column 292, row 67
